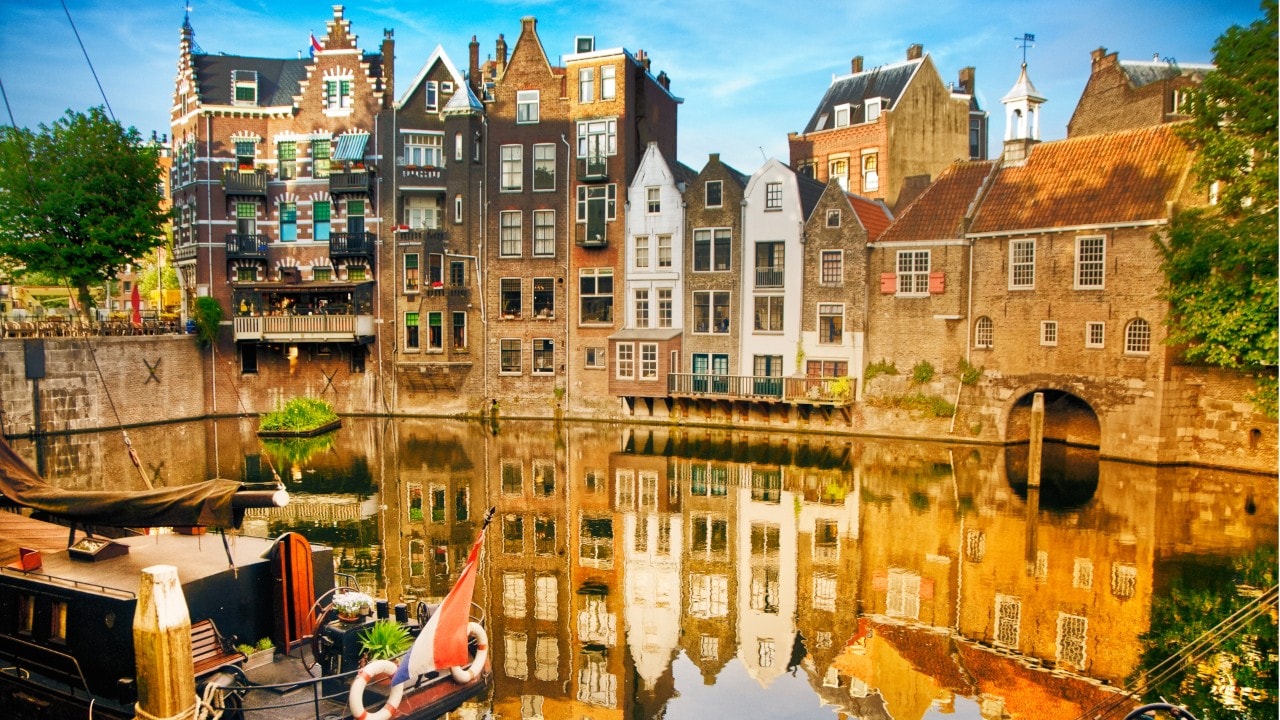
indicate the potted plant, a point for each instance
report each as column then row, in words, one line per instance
column 351, row 605
column 384, row 640
column 259, row 654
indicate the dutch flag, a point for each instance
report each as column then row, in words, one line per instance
column 315, row 45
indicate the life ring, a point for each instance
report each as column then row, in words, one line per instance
column 373, row 672
column 471, row 672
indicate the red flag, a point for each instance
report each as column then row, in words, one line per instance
column 315, row 45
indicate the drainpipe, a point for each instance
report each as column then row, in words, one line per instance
column 208, row 195
column 569, row 213
column 484, row 234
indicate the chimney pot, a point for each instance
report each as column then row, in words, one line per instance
column 856, row 65
column 915, row 51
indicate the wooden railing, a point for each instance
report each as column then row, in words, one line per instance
column 796, row 390
column 302, row 328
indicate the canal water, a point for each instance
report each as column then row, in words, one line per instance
column 658, row 572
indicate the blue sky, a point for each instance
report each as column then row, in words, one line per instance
column 750, row 71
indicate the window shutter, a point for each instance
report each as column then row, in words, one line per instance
column 888, row 283
column 937, row 284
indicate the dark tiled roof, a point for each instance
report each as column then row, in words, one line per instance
column 683, row 173
column 886, row 81
column 810, row 192
column 1095, row 179
column 939, row 212
column 279, row 80
column 1145, row 73
column 738, row 176
column 873, row 214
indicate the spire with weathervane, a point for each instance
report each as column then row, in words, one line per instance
column 1022, row 111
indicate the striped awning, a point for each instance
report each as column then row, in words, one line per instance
column 351, row 146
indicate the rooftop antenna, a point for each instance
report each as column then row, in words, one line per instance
column 762, row 155
column 1026, row 41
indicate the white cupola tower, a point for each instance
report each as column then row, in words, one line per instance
column 1021, row 117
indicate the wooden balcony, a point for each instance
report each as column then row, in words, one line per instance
column 349, row 181
column 347, row 245
column 246, row 246
column 254, row 184
column 302, row 328
column 755, row 388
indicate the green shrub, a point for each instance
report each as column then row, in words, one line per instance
column 922, row 372
column 207, row 315
column 879, row 368
column 969, row 374
column 385, row 640
column 297, row 415
column 919, row 402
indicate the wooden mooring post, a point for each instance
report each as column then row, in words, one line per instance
column 1037, row 441
column 162, row 647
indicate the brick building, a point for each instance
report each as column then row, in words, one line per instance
column 1127, row 94
column 886, row 132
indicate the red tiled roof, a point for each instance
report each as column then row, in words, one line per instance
column 929, row 653
column 1095, row 179
column 939, row 211
column 874, row 215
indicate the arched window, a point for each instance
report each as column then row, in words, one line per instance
column 983, row 333
column 1137, row 337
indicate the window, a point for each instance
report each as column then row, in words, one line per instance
column 870, row 173
column 26, row 613
column 664, row 251
column 983, row 333
column 608, row 83
column 1137, row 337
column 457, row 273
column 913, row 272
column 842, row 113
column 1124, row 580
column 320, row 220
column 903, row 597
column 642, row 251
column 664, row 307
column 509, row 352
column 246, row 87
column 411, row 279
column 457, row 209
column 1022, row 264
column 247, row 218
column 544, row 356
column 527, row 106
column 642, row 308
column 1082, row 574
column 435, row 270
column 832, row 262
column 544, row 233
column 1072, row 630
column 337, row 94
column 1095, row 334
column 1090, row 257
column 424, row 149
column 421, row 212
column 435, row 331
column 246, row 153
column 597, row 138
column 653, row 200
column 833, row 218
column 769, row 264
column 510, row 244
column 625, row 364
column 711, row 249
column 586, row 85
column 593, row 357
column 412, row 340
column 830, row 324
column 838, row 170
column 597, row 204
column 873, row 109
column 288, row 221
column 457, row 147
column 356, row 273
column 595, row 289
column 1008, row 620
column 773, row 196
column 826, row 368
column 1049, row 333
column 459, row 330
column 544, row 166
column 355, row 216
column 322, row 274
column 512, row 168
column 287, row 159
column 320, row 156
column 510, row 292
column 768, row 313
column 544, row 297
column 715, row 193
column 711, row 312
column 431, row 92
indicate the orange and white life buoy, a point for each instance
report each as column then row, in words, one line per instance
column 373, row 672
column 471, row 672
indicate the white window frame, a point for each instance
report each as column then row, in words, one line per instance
column 652, row 200
column 838, row 168
column 608, row 82
column 1049, row 333
column 1022, row 264
column 528, row 107
column 1090, row 265
column 984, row 333
column 641, row 308
column 544, row 158
column 873, row 108
column 665, row 257
column 624, row 362
column 544, row 233
column 506, row 345
column 666, row 304
column 833, row 218
column 843, row 115
column 911, row 280
column 831, row 310
column 823, row 278
column 1137, row 337
column 431, row 95
column 606, row 128
column 707, row 193
column 869, row 170
column 647, row 362
column 773, row 196
column 1095, row 335
column 586, row 85
column 510, row 234
column 641, row 258
column 511, row 158
column 548, row 346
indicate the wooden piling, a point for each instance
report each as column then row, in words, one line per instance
column 1037, row 441
column 162, row 647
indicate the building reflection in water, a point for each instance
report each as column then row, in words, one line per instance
column 874, row 578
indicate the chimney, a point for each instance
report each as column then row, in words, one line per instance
column 714, row 157
column 1101, row 59
column 500, row 59
column 966, row 80
column 473, row 65
column 856, row 65
column 529, row 24
column 915, row 51
column 664, row 81
column 388, row 67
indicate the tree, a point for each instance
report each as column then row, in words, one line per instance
column 1221, row 261
column 78, row 199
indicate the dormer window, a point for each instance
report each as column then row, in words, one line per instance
column 446, row 88
column 245, row 84
column 843, row 113
column 873, row 109
column 431, row 89
column 527, row 106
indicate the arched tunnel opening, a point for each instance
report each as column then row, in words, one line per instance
column 1069, row 455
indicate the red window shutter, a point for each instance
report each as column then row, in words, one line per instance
column 888, row 283
column 937, row 283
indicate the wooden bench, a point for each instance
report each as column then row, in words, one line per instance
column 209, row 650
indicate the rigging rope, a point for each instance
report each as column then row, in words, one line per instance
column 133, row 454
column 87, row 60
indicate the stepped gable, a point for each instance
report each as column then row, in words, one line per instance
column 1095, row 179
column 940, row 211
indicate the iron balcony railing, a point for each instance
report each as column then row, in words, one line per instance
column 350, row 181
column 421, row 176
column 352, row 244
column 246, row 245
column 235, row 182
column 795, row 390
column 769, row 277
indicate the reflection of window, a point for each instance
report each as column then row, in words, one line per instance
column 544, row 536
column 546, row 655
column 546, row 594
column 1124, row 580
column 975, row 545
column 1072, row 630
column 1008, row 620
column 595, row 545
column 903, row 598
column 513, row 535
column 765, row 651
column 709, row 647
column 515, row 653
column 824, row 592
column 710, row 539
column 437, row 504
column 708, row 596
column 1082, row 574
column 513, row 595
column 512, row 478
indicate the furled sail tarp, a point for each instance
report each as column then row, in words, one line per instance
column 208, row 503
